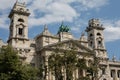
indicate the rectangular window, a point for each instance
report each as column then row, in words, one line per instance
column 118, row 73
column 103, row 71
column 113, row 73
column 20, row 31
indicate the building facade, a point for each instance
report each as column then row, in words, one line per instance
column 38, row 50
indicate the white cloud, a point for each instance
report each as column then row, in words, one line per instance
column 53, row 10
column 112, row 30
column 57, row 11
column 78, row 25
column 5, row 4
column 75, row 29
column 4, row 22
column 93, row 3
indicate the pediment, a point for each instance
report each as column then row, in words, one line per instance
column 69, row 45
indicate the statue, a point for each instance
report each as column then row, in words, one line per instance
column 63, row 28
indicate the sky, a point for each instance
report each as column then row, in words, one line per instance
column 74, row 13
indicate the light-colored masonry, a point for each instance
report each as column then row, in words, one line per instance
column 37, row 51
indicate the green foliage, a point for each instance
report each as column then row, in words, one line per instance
column 84, row 78
column 55, row 65
column 69, row 60
column 81, row 64
column 11, row 67
column 9, row 60
column 94, row 68
column 40, row 71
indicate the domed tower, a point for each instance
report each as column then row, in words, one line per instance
column 18, row 24
column 96, row 37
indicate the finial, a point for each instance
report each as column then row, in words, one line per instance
column 24, row 3
column 83, row 38
column 45, row 27
column 83, row 34
column 114, row 58
column 16, row 2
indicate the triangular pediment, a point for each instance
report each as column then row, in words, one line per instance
column 70, row 45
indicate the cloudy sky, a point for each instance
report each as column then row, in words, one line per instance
column 74, row 13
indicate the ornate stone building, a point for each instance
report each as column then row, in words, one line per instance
column 37, row 51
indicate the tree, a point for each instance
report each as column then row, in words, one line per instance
column 55, row 65
column 41, row 69
column 11, row 68
column 94, row 68
column 81, row 65
column 69, row 62
column 66, row 59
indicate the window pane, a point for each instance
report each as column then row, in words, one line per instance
column 112, row 73
column 118, row 73
column 103, row 71
column 20, row 31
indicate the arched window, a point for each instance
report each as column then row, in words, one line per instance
column 91, row 35
column 20, row 31
column 99, row 43
column 20, row 20
column 21, row 9
column 98, row 34
column 91, row 44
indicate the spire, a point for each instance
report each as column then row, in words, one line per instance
column 45, row 31
column 83, row 37
column 45, row 28
column 83, row 34
column 16, row 1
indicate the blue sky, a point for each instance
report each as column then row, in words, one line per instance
column 74, row 13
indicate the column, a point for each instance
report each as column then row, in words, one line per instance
column 115, row 76
column 46, row 64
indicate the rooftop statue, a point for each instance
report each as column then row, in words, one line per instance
column 63, row 28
